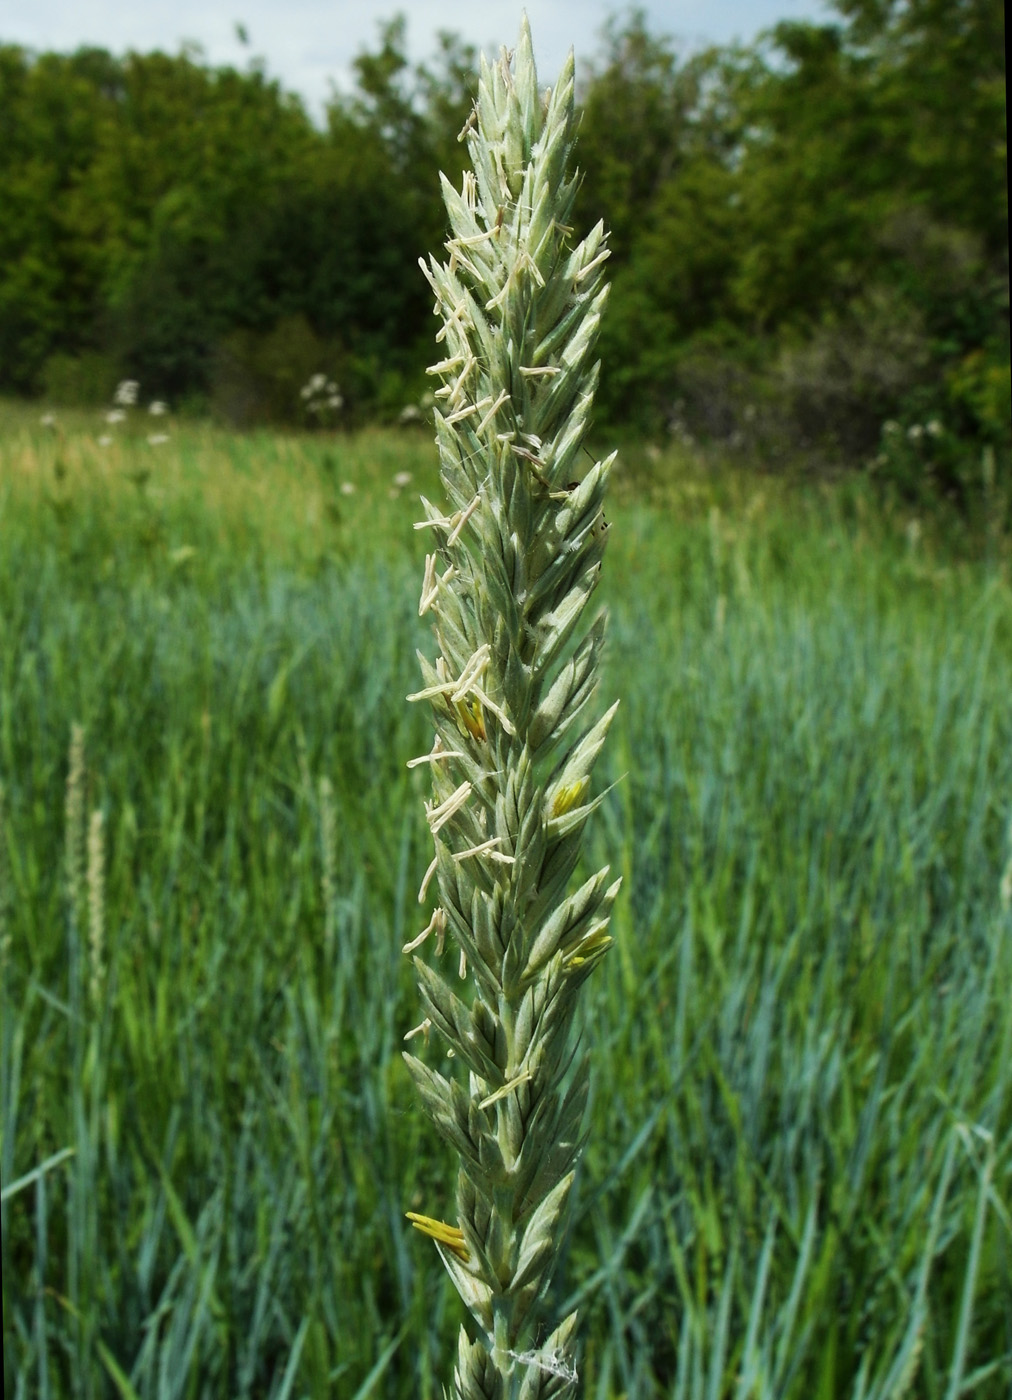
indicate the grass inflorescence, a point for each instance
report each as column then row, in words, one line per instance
column 508, row 583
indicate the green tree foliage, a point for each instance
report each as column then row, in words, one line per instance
column 158, row 207
column 873, row 149
column 657, row 142
column 819, row 221
column 134, row 183
column 873, row 200
column 810, row 233
column 50, row 129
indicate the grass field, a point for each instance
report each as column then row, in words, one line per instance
column 799, row 1171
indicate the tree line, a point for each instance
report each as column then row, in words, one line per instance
column 810, row 233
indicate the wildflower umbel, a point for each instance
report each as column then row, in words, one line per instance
column 516, row 557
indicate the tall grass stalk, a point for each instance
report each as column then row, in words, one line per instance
column 513, row 568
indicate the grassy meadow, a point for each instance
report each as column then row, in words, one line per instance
column 798, row 1180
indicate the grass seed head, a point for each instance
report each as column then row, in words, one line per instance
column 515, row 560
column 96, row 905
column 74, row 819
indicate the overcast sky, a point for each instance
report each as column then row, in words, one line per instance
column 310, row 43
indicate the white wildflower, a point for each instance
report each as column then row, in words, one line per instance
column 115, row 415
column 126, row 393
column 157, row 408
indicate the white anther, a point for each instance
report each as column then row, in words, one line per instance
column 437, row 817
column 463, row 516
column 490, row 415
column 423, row 891
column 437, row 925
column 486, row 848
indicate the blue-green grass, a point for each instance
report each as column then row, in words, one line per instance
column 799, row 1167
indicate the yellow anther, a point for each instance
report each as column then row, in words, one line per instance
column 450, row 1236
column 567, row 797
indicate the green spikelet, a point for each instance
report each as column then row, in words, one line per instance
column 514, row 563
